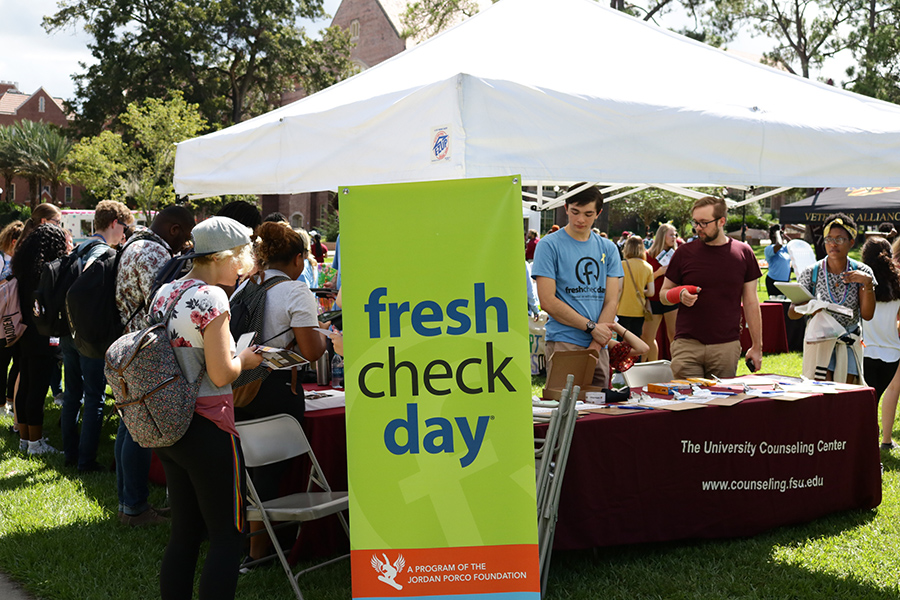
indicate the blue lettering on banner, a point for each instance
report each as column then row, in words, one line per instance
column 426, row 314
column 439, row 438
column 429, row 319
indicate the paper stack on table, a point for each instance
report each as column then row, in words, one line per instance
column 322, row 399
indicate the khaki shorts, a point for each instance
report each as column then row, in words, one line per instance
column 601, row 373
column 691, row 358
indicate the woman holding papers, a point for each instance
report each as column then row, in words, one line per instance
column 289, row 320
column 837, row 280
column 881, row 356
column 658, row 256
column 204, row 468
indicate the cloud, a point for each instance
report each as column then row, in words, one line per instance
column 32, row 57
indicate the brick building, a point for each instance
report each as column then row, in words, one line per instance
column 375, row 30
column 17, row 106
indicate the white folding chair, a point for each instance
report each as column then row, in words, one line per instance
column 551, row 456
column 272, row 439
column 639, row 375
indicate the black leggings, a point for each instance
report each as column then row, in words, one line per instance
column 878, row 374
column 205, row 477
column 8, row 374
column 33, row 386
column 274, row 398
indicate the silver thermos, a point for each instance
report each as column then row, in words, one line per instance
column 323, row 370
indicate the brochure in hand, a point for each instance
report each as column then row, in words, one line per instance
column 664, row 257
column 279, row 358
column 273, row 358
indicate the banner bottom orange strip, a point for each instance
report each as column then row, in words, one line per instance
column 502, row 572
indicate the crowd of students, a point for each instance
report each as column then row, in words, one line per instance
column 702, row 289
column 204, row 470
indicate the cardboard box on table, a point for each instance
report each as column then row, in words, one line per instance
column 580, row 363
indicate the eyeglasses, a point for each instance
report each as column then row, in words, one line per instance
column 840, row 240
column 56, row 221
column 701, row 224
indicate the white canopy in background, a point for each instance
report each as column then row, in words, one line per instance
column 558, row 91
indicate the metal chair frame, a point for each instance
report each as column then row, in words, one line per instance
column 551, row 456
column 272, row 439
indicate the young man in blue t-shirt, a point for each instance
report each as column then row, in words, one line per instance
column 577, row 274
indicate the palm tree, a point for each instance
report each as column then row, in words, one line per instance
column 9, row 158
column 43, row 156
column 54, row 158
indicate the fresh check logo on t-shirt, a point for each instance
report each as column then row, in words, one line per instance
column 580, row 270
column 587, row 273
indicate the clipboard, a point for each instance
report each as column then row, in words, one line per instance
column 795, row 292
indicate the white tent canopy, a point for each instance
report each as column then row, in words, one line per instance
column 558, row 91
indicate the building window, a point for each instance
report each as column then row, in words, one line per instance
column 297, row 220
column 354, row 30
column 42, row 104
column 12, row 192
column 548, row 218
column 68, row 194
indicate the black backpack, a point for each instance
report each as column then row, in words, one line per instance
column 248, row 307
column 57, row 276
column 93, row 317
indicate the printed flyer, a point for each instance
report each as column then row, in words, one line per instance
column 439, row 425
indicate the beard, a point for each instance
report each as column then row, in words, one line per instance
column 708, row 237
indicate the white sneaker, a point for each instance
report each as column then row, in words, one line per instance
column 41, row 447
column 23, row 445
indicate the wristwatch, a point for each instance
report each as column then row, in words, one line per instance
column 589, row 327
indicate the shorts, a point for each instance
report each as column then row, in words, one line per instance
column 658, row 308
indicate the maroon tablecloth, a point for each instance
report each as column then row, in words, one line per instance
column 658, row 475
column 327, row 435
column 774, row 332
column 635, row 478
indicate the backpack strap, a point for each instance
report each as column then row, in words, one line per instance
column 161, row 277
column 83, row 251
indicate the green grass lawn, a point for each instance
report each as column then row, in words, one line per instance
column 59, row 537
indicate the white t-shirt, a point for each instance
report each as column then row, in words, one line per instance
column 288, row 304
column 880, row 334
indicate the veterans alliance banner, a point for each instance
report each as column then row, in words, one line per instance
column 439, row 426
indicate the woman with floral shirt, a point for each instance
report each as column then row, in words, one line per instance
column 204, row 469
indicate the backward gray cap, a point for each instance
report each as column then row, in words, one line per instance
column 217, row 234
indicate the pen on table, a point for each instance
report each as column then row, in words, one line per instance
column 631, row 407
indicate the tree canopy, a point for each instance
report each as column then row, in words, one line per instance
column 233, row 58
column 136, row 163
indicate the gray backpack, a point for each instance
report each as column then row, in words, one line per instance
column 152, row 396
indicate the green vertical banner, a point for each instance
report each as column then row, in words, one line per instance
column 440, row 443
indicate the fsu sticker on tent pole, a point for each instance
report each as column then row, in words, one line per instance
column 440, row 144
